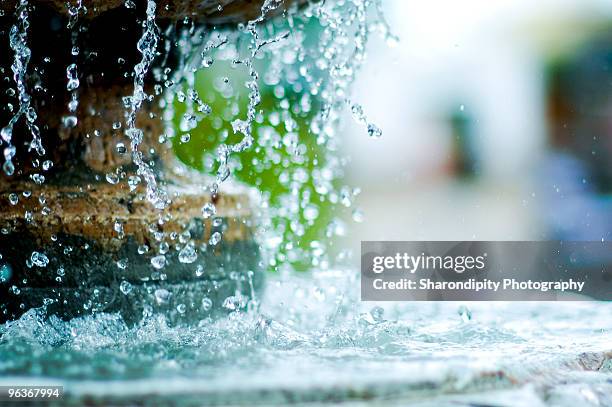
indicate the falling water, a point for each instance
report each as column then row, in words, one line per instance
column 147, row 45
column 18, row 42
column 260, row 36
column 72, row 75
column 238, row 125
column 337, row 70
column 320, row 69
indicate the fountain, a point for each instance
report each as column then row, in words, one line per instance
column 116, row 259
column 96, row 213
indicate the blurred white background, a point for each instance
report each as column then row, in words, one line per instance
column 470, row 147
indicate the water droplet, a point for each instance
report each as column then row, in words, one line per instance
column 39, row 259
column 207, row 304
column 374, row 131
column 188, row 254
column 162, row 296
column 181, row 308
column 311, row 212
column 70, row 122
column 125, row 287
column 122, row 264
column 358, row 114
column 72, row 76
column 158, row 261
column 112, row 178
column 73, row 105
column 8, row 168
column 235, row 302
column 189, row 122
column 164, row 247
column 118, row 226
column 39, row 179
column 215, row 238
column 184, row 237
column 208, row 210
column 13, row 198
column 133, row 182
column 7, row 134
column 392, row 41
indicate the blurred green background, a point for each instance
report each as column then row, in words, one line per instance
column 280, row 162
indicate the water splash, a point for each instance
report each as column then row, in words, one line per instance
column 285, row 88
column 359, row 351
column 341, row 23
column 242, row 126
column 314, row 52
column 147, row 46
column 18, row 36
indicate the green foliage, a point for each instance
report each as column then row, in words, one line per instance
column 280, row 162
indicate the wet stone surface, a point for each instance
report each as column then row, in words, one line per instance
column 89, row 279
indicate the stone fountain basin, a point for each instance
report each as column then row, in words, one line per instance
column 76, row 228
column 79, row 238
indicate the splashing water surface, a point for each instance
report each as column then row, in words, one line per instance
column 312, row 340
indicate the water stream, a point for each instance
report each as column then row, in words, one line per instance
column 18, row 38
